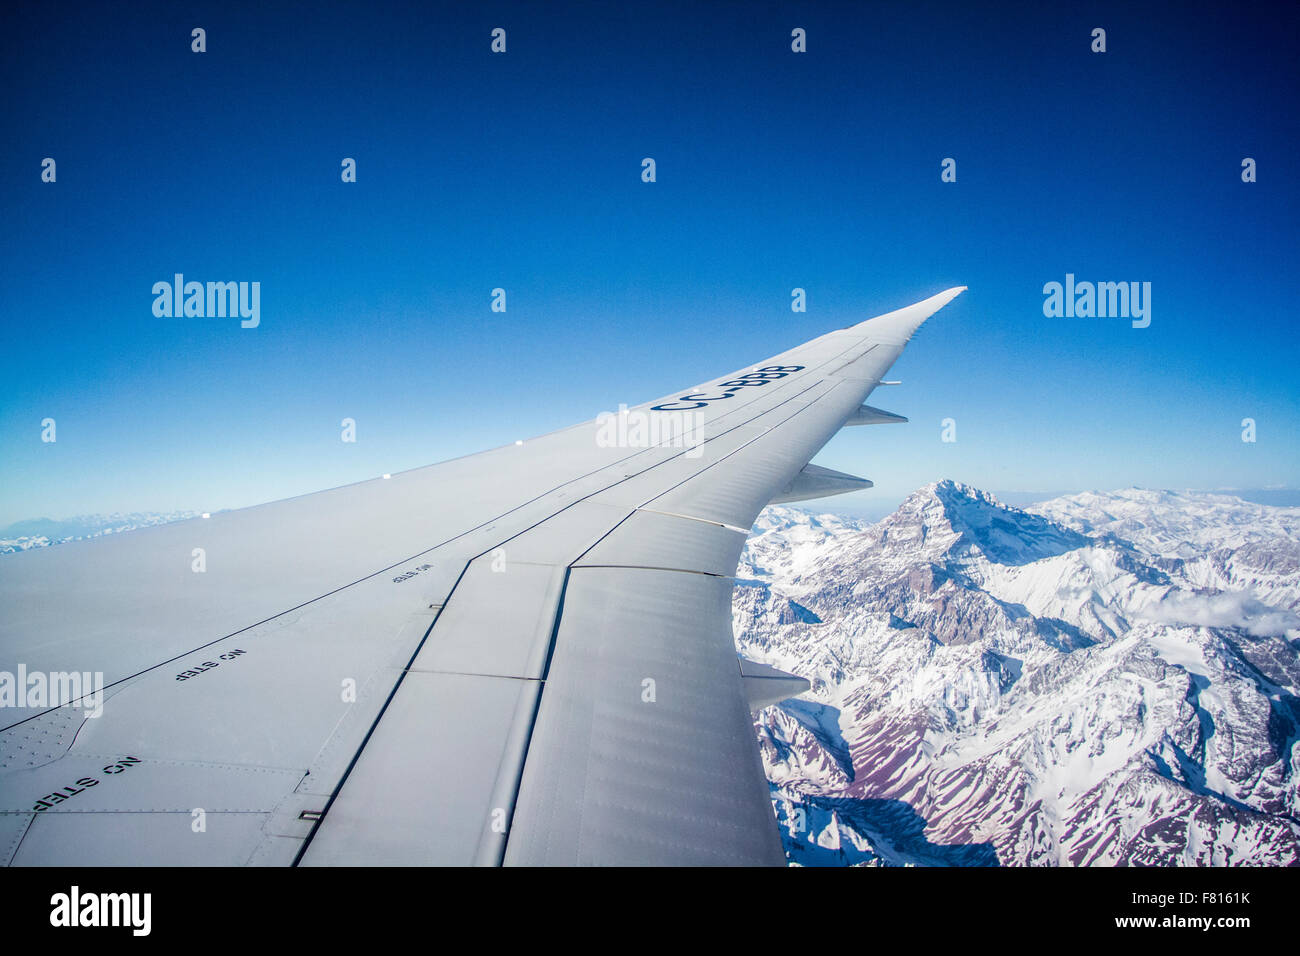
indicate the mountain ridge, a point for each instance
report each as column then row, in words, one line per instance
column 1069, row 687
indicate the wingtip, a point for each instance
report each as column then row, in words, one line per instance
column 937, row 302
column 904, row 322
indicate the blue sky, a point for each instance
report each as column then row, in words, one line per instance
column 522, row 170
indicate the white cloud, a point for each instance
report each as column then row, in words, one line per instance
column 1224, row 609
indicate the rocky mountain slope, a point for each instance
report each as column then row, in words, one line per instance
column 1104, row 679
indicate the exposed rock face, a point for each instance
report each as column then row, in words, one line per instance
column 1106, row 679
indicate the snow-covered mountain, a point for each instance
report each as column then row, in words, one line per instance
column 1102, row 679
column 43, row 532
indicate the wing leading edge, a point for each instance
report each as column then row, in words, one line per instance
column 520, row 657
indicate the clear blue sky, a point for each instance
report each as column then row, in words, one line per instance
column 522, row 171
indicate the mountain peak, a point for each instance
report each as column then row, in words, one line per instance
column 987, row 678
column 962, row 518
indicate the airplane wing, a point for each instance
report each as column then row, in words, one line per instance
column 523, row 656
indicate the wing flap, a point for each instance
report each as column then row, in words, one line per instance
column 651, row 539
column 643, row 751
column 439, row 771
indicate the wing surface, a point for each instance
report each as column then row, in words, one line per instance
column 523, row 656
